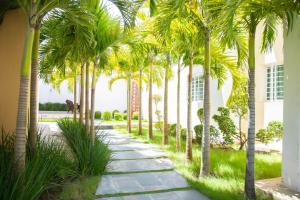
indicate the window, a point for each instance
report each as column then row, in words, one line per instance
column 197, row 88
column 275, row 79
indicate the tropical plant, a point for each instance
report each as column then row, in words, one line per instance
column 97, row 115
column 118, row 116
column 91, row 157
column 48, row 166
column 214, row 134
column 248, row 14
column 159, row 124
column 273, row 131
column 115, row 112
column 135, row 115
column 238, row 105
column 106, row 116
column 226, row 125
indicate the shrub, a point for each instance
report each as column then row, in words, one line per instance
column 198, row 132
column 183, row 133
column 91, row 158
column 135, row 115
column 172, row 129
column 214, row 134
column 97, row 115
column 118, row 117
column 114, row 112
column 158, row 126
column 274, row 130
column 45, row 168
column 106, row 116
column 52, row 106
column 226, row 125
column 125, row 116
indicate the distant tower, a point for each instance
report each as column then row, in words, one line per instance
column 135, row 97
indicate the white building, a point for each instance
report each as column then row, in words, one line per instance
column 269, row 90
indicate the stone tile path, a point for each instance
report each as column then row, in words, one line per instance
column 141, row 172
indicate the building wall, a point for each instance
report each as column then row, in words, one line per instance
column 12, row 35
column 291, row 136
column 106, row 99
column 218, row 97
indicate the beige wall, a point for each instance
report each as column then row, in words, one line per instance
column 12, row 33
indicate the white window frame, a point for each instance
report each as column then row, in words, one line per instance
column 272, row 81
column 197, row 88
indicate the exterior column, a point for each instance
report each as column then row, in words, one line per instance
column 291, row 113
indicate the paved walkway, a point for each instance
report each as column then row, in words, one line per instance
column 140, row 171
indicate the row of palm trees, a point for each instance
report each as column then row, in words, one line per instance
column 205, row 31
column 61, row 36
column 74, row 36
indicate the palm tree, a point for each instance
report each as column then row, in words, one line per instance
column 87, row 96
column 35, row 11
column 178, row 125
column 249, row 14
column 75, row 97
column 81, row 108
column 166, row 91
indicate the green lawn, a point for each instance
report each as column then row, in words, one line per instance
column 227, row 168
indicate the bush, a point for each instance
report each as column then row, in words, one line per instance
column 214, row 134
column 274, row 130
column 172, row 129
column 158, row 126
column 226, row 125
column 97, row 115
column 114, row 112
column 52, row 106
column 198, row 132
column 118, row 117
column 183, row 133
column 47, row 167
column 135, row 115
column 91, row 158
column 125, row 116
column 106, row 116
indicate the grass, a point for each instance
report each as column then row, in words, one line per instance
column 227, row 168
column 82, row 188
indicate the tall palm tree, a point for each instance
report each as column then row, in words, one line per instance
column 81, row 106
column 87, row 96
column 166, row 91
column 75, row 96
column 249, row 14
column 35, row 11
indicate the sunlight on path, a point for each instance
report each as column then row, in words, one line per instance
column 142, row 172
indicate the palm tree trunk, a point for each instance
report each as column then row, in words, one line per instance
column 178, row 136
column 129, row 114
column 92, row 129
column 32, row 136
column 189, row 152
column 205, row 159
column 165, row 135
column 240, row 133
column 81, row 94
column 140, row 131
column 87, row 97
column 249, row 177
column 150, row 125
column 22, row 114
column 75, row 97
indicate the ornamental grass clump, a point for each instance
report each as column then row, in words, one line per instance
column 44, row 169
column 91, row 158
